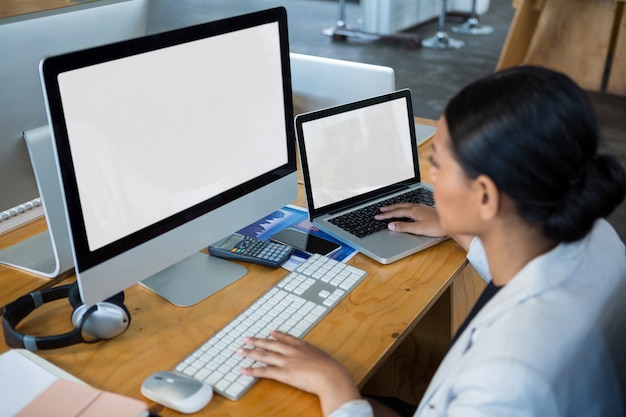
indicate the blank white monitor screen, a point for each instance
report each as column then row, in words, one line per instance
column 155, row 134
column 133, row 111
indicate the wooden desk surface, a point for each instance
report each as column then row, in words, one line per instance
column 361, row 332
column 16, row 7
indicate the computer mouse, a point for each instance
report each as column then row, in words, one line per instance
column 176, row 391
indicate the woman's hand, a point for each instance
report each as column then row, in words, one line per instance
column 425, row 219
column 301, row 365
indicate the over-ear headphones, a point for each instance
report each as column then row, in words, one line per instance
column 103, row 320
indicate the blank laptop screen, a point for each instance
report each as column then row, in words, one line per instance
column 358, row 151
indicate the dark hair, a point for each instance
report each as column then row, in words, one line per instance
column 534, row 133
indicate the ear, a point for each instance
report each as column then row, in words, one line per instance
column 488, row 197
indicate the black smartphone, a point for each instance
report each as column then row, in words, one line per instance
column 305, row 242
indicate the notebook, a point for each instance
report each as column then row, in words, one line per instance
column 30, row 386
column 357, row 154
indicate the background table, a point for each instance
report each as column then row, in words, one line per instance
column 586, row 39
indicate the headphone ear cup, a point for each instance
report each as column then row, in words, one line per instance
column 104, row 320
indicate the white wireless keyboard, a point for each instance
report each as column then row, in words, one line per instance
column 294, row 306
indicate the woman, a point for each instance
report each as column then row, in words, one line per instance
column 518, row 183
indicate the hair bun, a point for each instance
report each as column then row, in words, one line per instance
column 599, row 188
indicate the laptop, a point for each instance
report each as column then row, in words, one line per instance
column 358, row 154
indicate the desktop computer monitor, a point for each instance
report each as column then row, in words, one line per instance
column 168, row 143
column 24, row 40
column 319, row 82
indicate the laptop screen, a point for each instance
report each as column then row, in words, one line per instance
column 358, row 148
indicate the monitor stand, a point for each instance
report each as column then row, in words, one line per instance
column 194, row 278
column 49, row 253
column 35, row 254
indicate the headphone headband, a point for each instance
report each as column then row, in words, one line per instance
column 112, row 312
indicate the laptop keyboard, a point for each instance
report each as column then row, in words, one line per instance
column 361, row 222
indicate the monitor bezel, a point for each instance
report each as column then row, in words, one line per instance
column 51, row 67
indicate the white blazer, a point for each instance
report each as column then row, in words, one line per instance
column 552, row 342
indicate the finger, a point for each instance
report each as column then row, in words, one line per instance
column 400, row 212
column 277, row 374
column 401, row 227
column 256, row 371
column 263, row 356
column 280, row 341
column 270, row 345
column 268, row 372
column 423, row 228
column 285, row 338
column 396, row 206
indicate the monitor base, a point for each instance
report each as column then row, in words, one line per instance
column 193, row 279
column 35, row 254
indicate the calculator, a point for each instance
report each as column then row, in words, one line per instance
column 238, row 247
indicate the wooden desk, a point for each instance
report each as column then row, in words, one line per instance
column 17, row 7
column 361, row 332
